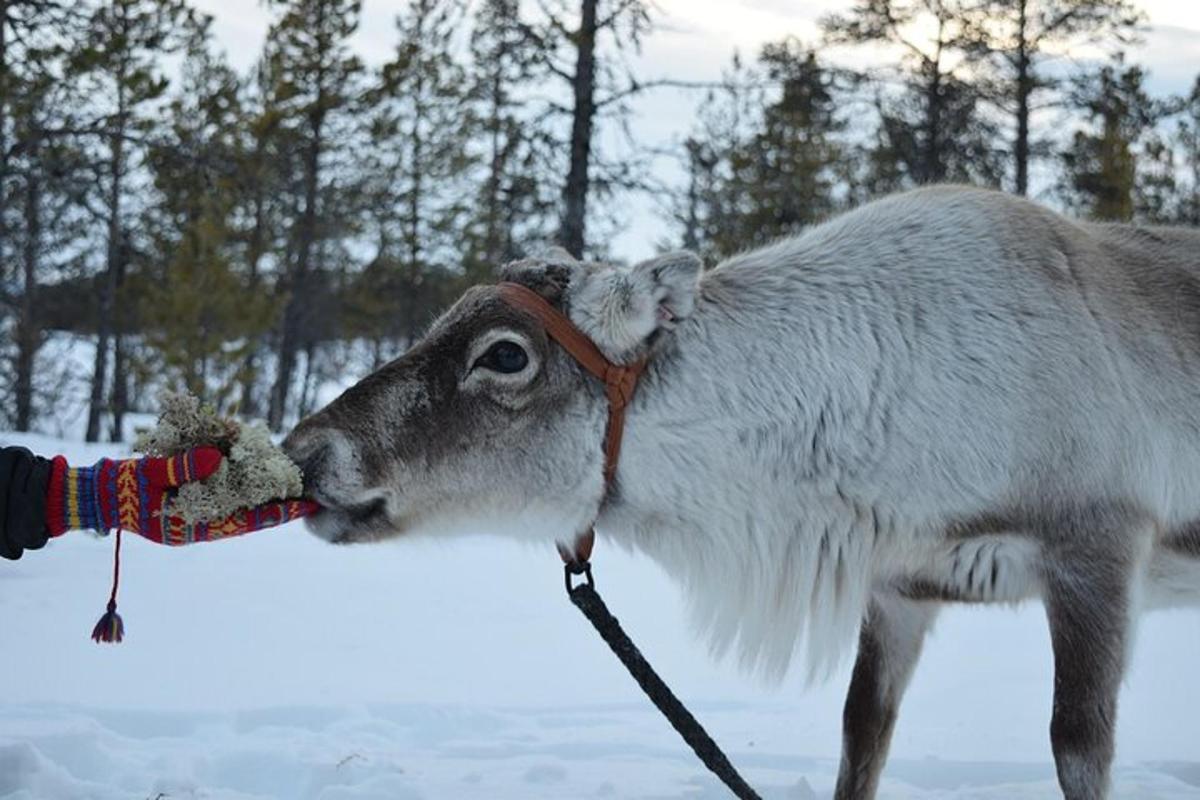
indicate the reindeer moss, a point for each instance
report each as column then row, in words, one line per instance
column 254, row 471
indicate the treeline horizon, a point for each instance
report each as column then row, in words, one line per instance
column 243, row 235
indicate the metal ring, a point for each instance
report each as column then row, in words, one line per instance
column 583, row 568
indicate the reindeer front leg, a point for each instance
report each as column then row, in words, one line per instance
column 1088, row 606
column 888, row 648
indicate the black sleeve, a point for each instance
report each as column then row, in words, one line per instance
column 23, row 481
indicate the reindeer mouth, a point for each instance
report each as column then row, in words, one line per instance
column 348, row 522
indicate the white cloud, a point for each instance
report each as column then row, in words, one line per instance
column 1179, row 13
column 1171, row 54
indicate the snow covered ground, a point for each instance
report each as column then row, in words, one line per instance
column 276, row 666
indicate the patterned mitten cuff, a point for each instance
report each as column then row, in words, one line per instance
column 127, row 494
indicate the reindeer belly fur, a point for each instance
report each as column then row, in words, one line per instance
column 1005, row 568
column 995, row 568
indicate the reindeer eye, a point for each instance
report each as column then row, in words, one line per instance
column 503, row 356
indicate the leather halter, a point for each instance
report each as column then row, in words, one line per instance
column 620, row 381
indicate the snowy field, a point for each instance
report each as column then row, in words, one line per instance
column 276, row 666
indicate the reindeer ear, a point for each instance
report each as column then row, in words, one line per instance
column 558, row 255
column 546, row 276
column 675, row 278
column 620, row 309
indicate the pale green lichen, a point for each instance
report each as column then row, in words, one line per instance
column 254, row 471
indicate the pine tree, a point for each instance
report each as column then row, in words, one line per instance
column 314, row 84
column 1101, row 164
column 881, row 162
column 791, row 159
column 1186, row 142
column 690, row 211
column 33, row 165
column 27, row 43
column 121, row 69
column 421, row 125
column 719, row 189
column 35, row 178
column 514, row 205
column 263, row 164
column 571, row 40
column 965, row 149
column 764, row 164
column 193, row 306
column 1167, row 184
column 1018, row 38
column 1156, row 184
column 934, row 130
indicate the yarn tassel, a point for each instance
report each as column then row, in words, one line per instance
column 111, row 628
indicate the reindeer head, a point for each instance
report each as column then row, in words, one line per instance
column 486, row 424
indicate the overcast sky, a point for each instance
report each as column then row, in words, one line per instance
column 695, row 40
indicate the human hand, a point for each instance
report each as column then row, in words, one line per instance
column 132, row 494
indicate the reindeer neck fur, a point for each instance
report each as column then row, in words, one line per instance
column 751, row 436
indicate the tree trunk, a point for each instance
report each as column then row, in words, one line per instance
column 100, row 367
column 1115, row 197
column 414, row 238
column 491, row 239
column 28, row 332
column 572, row 233
column 1024, row 90
column 691, row 222
column 932, row 168
column 111, row 279
column 248, row 403
column 120, row 379
column 1194, row 215
column 308, row 382
column 5, row 94
column 416, row 194
column 119, row 400
column 295, row 315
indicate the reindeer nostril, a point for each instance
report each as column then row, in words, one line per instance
column 310, row 451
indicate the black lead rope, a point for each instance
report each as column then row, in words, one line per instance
column 586, row 599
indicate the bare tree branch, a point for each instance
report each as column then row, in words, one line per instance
column 637, row 87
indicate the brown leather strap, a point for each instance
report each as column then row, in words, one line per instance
column 558, row 326
column 620, row 382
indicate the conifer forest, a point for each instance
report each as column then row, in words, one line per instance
column 169, row 220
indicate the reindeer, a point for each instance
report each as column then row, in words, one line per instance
column 946, row 396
